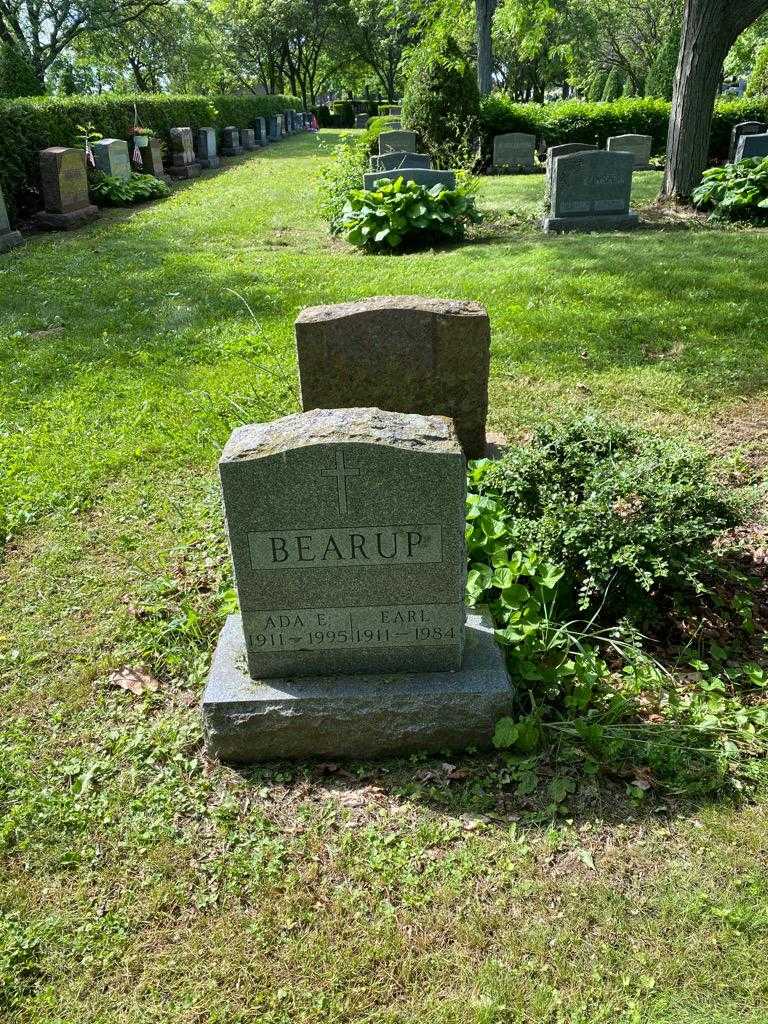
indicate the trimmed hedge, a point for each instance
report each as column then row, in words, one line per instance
column 574, row 121
column 32, row 124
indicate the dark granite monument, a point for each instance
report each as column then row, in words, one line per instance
column 591, row 192
column 65, row 190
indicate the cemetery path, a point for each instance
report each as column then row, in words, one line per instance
column 142, row 883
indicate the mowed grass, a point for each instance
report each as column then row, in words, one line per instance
column 142, row 883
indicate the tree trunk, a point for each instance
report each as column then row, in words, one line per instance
column 484, row 10
column 710, row 27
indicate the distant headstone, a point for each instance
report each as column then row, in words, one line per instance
column 391, row 161
column 274, row 128
column 346, row 528
column 514, row 151
column 284, row 127
column 751, row 145
column 248, row 138
column 207, row 154
column 260, row 128
column 111, row 157
column 152, row 159
column 183, row 163
column 638, row 145
column 230, row 141
column 563, row 150
column 395, row 109
column 361, row 120
column 421, row 175
column 65, row 189
column 405, row 353
column 591, row 191
column 8, row 239
column 744, row 128
column 397, row 142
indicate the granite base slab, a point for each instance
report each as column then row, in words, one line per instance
column 185, row 172
column 67, row 221
column 368, row 716
column 612, row 222
column 10, row 240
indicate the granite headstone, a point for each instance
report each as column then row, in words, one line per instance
column 207, row 154
column 152, row 159
column 183, row 163
column 260, row 128
column 397, row 142
column 230, row 141
column 65, row 189
column 391, row 161
column 111, row 157
column 421, row 175
column 514, row 151
column 638, row 145
column 8, row 239
column 591, row 191
column 405, row 353
column 751, row 145
column 744, row 128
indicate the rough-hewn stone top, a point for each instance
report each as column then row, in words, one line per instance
column 341, row 310
column 410, row 431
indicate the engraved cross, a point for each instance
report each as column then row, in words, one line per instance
column 341, row 474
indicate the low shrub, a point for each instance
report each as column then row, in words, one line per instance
column 736, row 191
column 343, row 114
column 629, row 516
column 324, row 116
column 109, row 190
column 342, row 176
column 398, row 214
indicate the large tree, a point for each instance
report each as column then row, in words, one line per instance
column 378, row 34
column 484, row 11
column 710, row 28
column 43, row 29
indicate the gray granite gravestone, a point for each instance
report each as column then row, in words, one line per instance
column 421, row 175
column 260, row 128
column 284, row 128
column 591, row 191
column 183, row 163
column 405, row 353
column 552, row 154
column 230, row 141
column 751, row 145
column 152, row 159
column 361, row 120
column 65, row 189
column 638, row 145
column 391, row 161
column 274, row 128
column 514, row 151
column 248, row 139
column 346, row 529
column 8, row 239
column 207, row 154
column 397, row 142
column 111, row 157
column 744, row 128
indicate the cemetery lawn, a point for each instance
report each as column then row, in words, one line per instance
column 142, row 883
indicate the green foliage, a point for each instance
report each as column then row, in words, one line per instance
column 736, row 191
column 614, row 85
column 661, row 76
column 17, row 74
column 398, row 214
column 29, row 125
column 626, row 514
column 343, row 114
column 596, row 86
column 441, row 100
column 574, row 121
column 109, row 190
column 324, row 116
column 343, row 175
column 758, row 79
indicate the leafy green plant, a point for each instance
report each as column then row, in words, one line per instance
column 343, row 175
column 109, row 190
column 735, row 192
column 400, row 213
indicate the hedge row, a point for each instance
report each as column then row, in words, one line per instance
column 29, row 125
column 574, row 121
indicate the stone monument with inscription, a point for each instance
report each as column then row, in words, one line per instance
column 638, row 145
column 391, row 161
column 421, row 175
column 403, row 352
column 752, row 145
column 183, row 162
column 274, row 128
column 8, row 239
column 346, row 529
column 230, row 141
column 744, row 128
column 260, row 128
column 65, row 190
column 591, row 192
column 111, row 157
column 397, row 142
column 514, row 151
column 152, row 159
column 207, row 153
column 248, row 139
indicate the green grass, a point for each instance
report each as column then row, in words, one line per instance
column 142, row 883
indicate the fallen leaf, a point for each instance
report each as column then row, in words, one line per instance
column 470, row 822
column 135, row 680
column 586, row 858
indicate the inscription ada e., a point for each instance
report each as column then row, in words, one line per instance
column 357, row 546
column 276, row 631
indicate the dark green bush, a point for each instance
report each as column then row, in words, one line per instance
column 661, row 77
column 629, row 516
column 17, row 75
column 614, row 86
column 343, row 113
column 324, row 116
column 109, row 190
column 596, row 86
column 441, row 100
column 736, row 191
column 574, row 121
column 29, row 125
column 398, row 214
